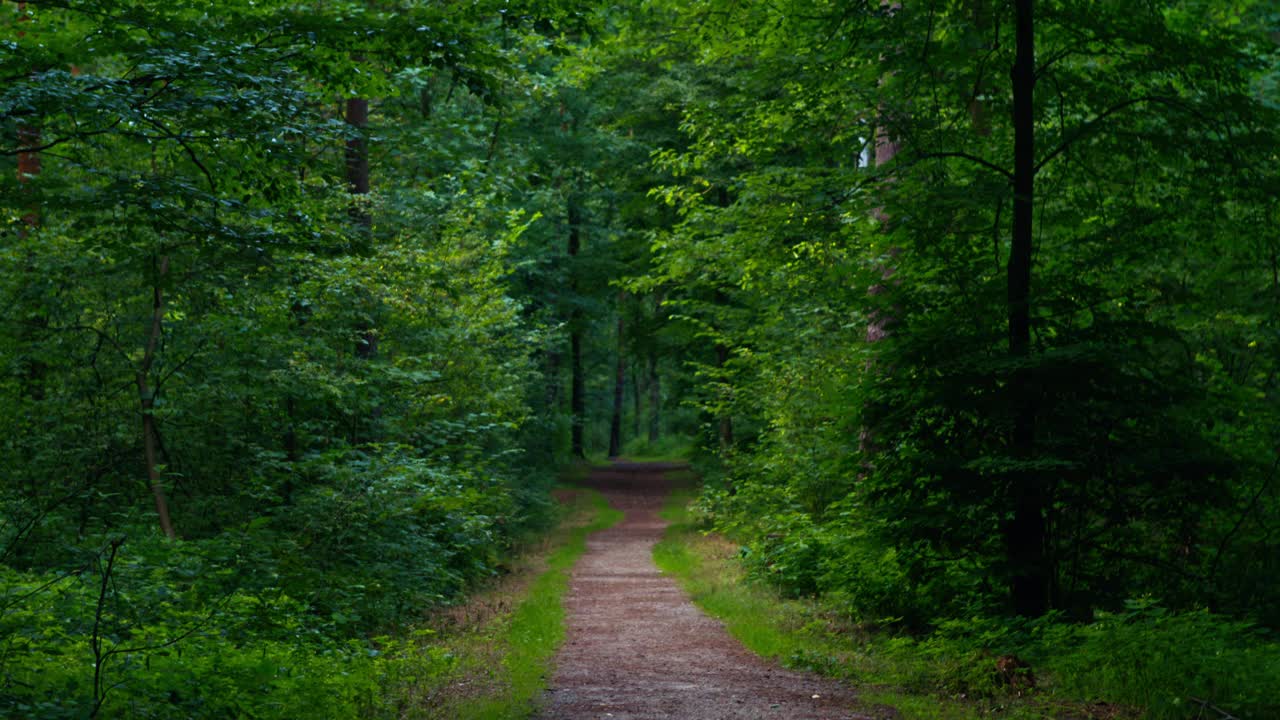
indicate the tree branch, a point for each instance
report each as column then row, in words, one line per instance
column 971, row 158
column 1088, row 127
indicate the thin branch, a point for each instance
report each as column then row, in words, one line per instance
column 1206, row 705
column 95, row 638
column 191, row 153
column 61, row 141
column 1253, row 504
column 1088, row 127
column 176, row 368
column 971, row 158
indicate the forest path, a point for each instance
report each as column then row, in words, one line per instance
column 636, row 647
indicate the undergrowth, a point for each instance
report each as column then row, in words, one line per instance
column 496, row 668
column 1146, row 662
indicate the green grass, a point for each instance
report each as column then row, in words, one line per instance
column 1146, row 662
column 800, row 634
column 498, row 668
column 537, row 625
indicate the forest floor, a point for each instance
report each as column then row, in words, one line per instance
column 636, row 646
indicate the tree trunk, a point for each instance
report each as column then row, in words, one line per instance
column 34, row 369
column 1025, row 533
column 552, row 390
column 28, row 168
column 357, row 159
column 726, row 420
column 300, row 314
column 578, row 384
column 982, row 19
column 357, row 165
column 147, row 399
column 886, row 148
column 655, row 399
column 357, row 172
column 637, row 400
column 619, row 385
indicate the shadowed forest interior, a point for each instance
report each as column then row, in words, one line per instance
column 965, row 312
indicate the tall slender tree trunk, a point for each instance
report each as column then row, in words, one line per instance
column 1025, row 534
column 357, row 167
column 357, row 172
column 637, row 400
column 28, row 137
column 886, row 148
column 726, row 419
column 147, row 397
column 619, row 386
column 655, row 399
column 28, row 169
column 577, row 383
column 357, row 160
column 725, row 431
column 983, row 17
column 552, row 390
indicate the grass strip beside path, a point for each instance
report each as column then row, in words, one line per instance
column 537, row 626
column 494, row 663
column 799, row 634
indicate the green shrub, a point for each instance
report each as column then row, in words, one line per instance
column 1165, row 661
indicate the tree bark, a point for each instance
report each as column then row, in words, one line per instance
column 726, row 420
column 358, row 184
column 577, row 384
column 637, row 400
column 28, row 168
column 357, row 172
column 357, row 158
column 655, row 399
column 147, row 398
column 1025, row 533
column 552, row 389
column 619, row 385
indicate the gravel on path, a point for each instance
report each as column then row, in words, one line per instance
column 637, row 648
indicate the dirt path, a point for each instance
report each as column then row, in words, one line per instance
column 637, row 648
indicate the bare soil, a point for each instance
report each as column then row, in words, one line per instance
column 637, row 648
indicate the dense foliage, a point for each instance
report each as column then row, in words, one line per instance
column 222, row 326
column 953, row 397
column 973, row 307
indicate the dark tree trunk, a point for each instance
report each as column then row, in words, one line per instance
column 655, row 399
column 358, row 184
column 577, row 383
column 28, row 168
column 357, row 165
column 1025, row 533
column 726, row 420
column 357, row 158
column 552, row 390
column 147, row 398
column 34, row 368
column 619, row 385
column 637, row 400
